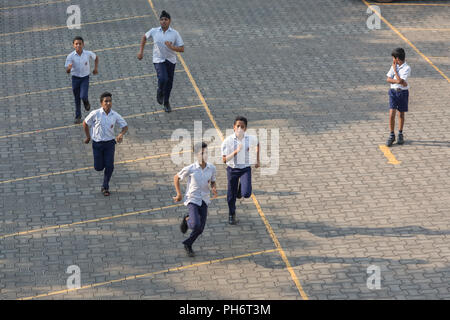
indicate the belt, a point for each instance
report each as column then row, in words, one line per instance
column 398, row 89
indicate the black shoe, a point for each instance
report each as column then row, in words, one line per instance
column 87, row 105
column 160, row 97
column 189, row 251
column 232, row 219
column 400, row 139
column 391, row 140
column 77, row 121
column 167, row 107
column 183, row 225
column 239, row 194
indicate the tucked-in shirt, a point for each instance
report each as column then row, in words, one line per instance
column 80, row 63
column 161, row 52
column 404, row 71
column 244, row 158
column 197, row 189
column 102, row 125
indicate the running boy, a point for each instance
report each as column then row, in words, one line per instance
column 398, row 94
column 236, row 154
column 200, row 174
column 78, row 64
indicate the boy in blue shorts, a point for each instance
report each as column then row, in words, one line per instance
column 398, row 93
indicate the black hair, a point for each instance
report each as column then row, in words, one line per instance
column 164, row 14
column 104, row 95
column 198, row 147
column 78, row 38
column 240, row 118
column 399, row 53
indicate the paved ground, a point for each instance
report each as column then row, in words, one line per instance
column 312, row 69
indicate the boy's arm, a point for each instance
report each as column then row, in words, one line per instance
column 86, row 131
column 213, row 189
column 257, row 157
column 233, row 154
column 96, row 65
column 398, row 80
column 176, row 182
column 141, row 50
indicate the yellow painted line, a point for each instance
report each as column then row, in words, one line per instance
column 267, row 224
column 88, row 168
column 34, row 5
column 79, row 125
column 150, row 274
column 410, row 4
column 117, row 216
column 93, row 84
column 389, row 155
column 65, row 55
column 407, row 41
column 65, row 26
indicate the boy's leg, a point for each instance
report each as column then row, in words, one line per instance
column 84, row 92
column 401, row 122
column 161, row 73
column 392, row 120
column 246, row 182
column 97, row 150
column 76, row 93
column 170, row 68
column 233, row 180
column 108, row 158
column 194, row 223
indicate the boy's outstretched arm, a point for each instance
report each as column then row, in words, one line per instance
column 213, row 189
column 176, row 182
column 141, row 49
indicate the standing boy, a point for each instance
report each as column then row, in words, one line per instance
column 167, row 42
column 102, row 123
column 200, row 174
column 398, row 94
column 78, row 64
column 236, row 154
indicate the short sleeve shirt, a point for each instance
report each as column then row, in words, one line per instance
column 161, row 52
column 80, row 63
column 198, row 181
column 102, row 125
column 404, row 71
column 246, row 156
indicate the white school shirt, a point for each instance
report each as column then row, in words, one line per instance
column 102, row 125
column 404, row 71
column 80, row 63
column 161, row 52
column 197, row 189
column 243, row 159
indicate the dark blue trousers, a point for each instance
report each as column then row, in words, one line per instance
column 165, row 72
column 80, row 88
column 104, row 159
column 233, row 176
column 196, row 221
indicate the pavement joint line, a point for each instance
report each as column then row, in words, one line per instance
column 117, row 216
column 407, row 41
column 88, row 168
column 34, row 5
column 425, row 29
column 389, row 155
column 411, row 4
column 82, row 24
column 255, row 201
column 150, row 274
column 79, row 125
column 91, row 84
column 65, row 55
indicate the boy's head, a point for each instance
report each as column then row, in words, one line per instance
column 164, row 19
column 240, row 126
column 398, row 55
column 200, row 151
column 78, row 43
column 106, row 101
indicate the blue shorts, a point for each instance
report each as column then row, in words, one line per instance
column 398, row 100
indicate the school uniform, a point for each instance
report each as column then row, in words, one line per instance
column 399, row 95
column 197, row 196
column 239, row 168
column 164, row 59
column 80, row 76
column 101, row 127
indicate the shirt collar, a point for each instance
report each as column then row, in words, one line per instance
column 197, row 164
column 169, row 29
column 79, row 54
column 235, row 136
column 103, row 112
